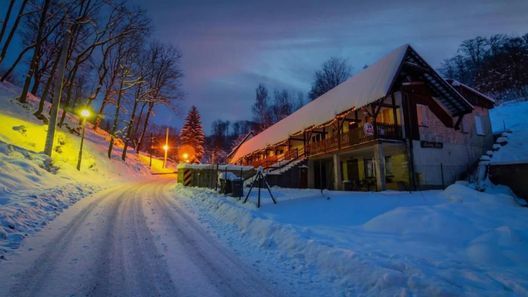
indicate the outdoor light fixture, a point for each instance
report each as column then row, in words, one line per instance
column 165, row 147
column 84, row 113
column 186, row 153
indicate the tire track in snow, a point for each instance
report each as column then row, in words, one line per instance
column 133, row 240
column 221, row 269
column 33, row 280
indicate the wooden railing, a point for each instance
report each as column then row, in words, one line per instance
column 331, row 144
column 353, row 137
column 277, row 161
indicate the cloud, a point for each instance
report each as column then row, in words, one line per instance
column 231, row 46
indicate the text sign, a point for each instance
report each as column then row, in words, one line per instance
column 431, row 144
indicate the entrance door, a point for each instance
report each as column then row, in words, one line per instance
column 353, row 173
column 320, row 174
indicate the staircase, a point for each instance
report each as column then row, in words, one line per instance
column 286, row 171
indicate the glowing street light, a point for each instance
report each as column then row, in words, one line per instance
column 166, row 148
column 84, row 113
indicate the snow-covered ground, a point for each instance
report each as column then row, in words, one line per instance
column 511, row 116
column 34, row 188
column 457, row 242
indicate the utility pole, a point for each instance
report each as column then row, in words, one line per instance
column 166, row 147
column 59, row 81
column 150, row 149
column 85, row 113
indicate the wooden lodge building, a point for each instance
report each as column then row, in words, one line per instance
column 395, row 125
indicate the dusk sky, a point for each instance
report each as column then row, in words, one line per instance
column 230, row 46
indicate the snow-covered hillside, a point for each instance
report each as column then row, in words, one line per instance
column 34, row 188
column 511, row 116
column 457, row 242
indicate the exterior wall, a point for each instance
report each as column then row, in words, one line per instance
column 461, row 149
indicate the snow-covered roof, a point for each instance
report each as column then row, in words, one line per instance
column 456, row 83
column 371, row 84
column 248, row 136
column 367, row 86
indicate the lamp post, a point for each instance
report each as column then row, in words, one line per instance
column 85, row 113
column 166, row 148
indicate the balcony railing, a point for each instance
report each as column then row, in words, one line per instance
column 331, row 144
column 353, row 137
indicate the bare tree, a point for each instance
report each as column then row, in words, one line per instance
column 33, row 65
column 333, row 72
column 112, row 31
column 163, row 80
column 260, row 109
column 6, row 19
column 282, row 105
column 14, row 28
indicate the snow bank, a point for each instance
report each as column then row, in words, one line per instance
column 35, row 188
column 457, row 242
column 511, row 117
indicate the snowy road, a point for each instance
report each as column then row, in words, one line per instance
column 131, row 240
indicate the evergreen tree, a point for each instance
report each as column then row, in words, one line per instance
column 192, row 133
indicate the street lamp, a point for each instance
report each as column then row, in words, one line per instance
column 166, row 148
column 166, row 151
column 84, row 113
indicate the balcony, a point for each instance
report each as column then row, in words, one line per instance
column 354, row 137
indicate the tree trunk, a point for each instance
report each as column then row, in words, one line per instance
column 13, row 66
column 116, row 118
column 139, row 116
column 6, row 20
column 36, row 53
column 145, row 124
column 130, row 124
column 99, row 115
column 36, row 83
column 12, row 32
column 56, row 101
column 45, row 92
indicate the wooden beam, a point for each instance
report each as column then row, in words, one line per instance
column 459, row 120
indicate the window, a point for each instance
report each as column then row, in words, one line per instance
column 423, row 115
column 479, row 126
column 387, row 116
column 369, row 168
column 388, row 166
